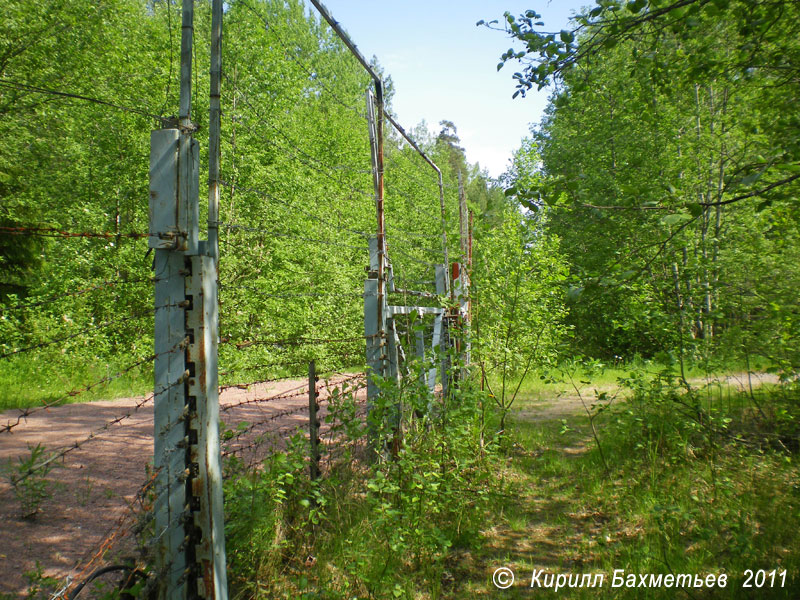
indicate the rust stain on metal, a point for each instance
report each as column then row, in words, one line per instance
column 208, row 579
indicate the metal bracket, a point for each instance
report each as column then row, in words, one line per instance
column 174, row 181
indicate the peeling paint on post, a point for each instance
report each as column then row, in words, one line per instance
column 207, row 526
column 441, row 342
column 170, row 362
column 189, row 527
column 373, row 354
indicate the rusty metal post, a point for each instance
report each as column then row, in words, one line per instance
column 189, row 529
column 376, row 147
column 380, row 208
column 372, row 328
column 172, row 229
column 205, row 530
column 468, row 353
column 313, row 420
column 462, row 220
column 448, row 289
column 214, row 131
column 169, row 402
column 463, row 277
column 393, row 373
column 442, row 336
column 433, row 165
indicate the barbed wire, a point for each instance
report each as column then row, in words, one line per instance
column 58, row 233
column 392, row 242
column 251, row 427
column 298, row 392
column 113, row 535
column 297, row 60
column 295, row 152
column 410, row 257
column 27, row 412
column 432, row 182
column 329, row 175
column 278, row 433
column 267, row 195
column 273, row 233
column 293, row 144
column 331, row 172
column 104, row 324
column 262, row 294
column 73, row 96
column 296, row 341
column 79, row 292
column 332, row 370
column 248, row 384
column 286, row 394
column 62, row 452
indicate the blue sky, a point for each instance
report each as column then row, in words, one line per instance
column 444, row 67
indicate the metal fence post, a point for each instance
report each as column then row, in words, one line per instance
column 214, row 113
column 189, row 529
column 313, row 420
column 373, row 338
column 464, row 274
column 205, row 533
column 171, row 371
column 443, row 338
column 393, row 373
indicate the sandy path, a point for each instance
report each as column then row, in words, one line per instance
column 95, row 483
column 566, row 403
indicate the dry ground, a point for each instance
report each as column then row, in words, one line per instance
column 94, row 485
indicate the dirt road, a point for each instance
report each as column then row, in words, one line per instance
column 94, row 484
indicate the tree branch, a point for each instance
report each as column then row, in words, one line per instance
column 754, row 193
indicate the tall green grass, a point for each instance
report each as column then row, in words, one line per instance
column 27, row 381
column 548, row 382
column 670, row 494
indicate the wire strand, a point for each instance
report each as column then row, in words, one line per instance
column 40, row 90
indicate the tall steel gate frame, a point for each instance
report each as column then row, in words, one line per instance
column 189, row 527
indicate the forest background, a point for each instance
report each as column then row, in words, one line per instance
column 666, row 163
column 649, row 220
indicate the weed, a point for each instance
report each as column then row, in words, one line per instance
column 682, row 495
column 379, row 528
column 84, row 493
column 28, row 478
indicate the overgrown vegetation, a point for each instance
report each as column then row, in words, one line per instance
column 648, row 224
column 297, row 203
column 28, row 477
column 380, row 526
column 678, row 496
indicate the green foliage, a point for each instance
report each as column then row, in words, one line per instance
column 382, row 528
column 78, row 104
column 764, row 37
column 40, row 587
column 715, row 480
column 668, row 175
column 267, row 510
column 519, row 312
column 679, row 495
column 28, row 479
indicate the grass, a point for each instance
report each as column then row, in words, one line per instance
column 34, row 380
column 31, row 381
column 673, row 499
column 379, row 529
column 666, row 496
